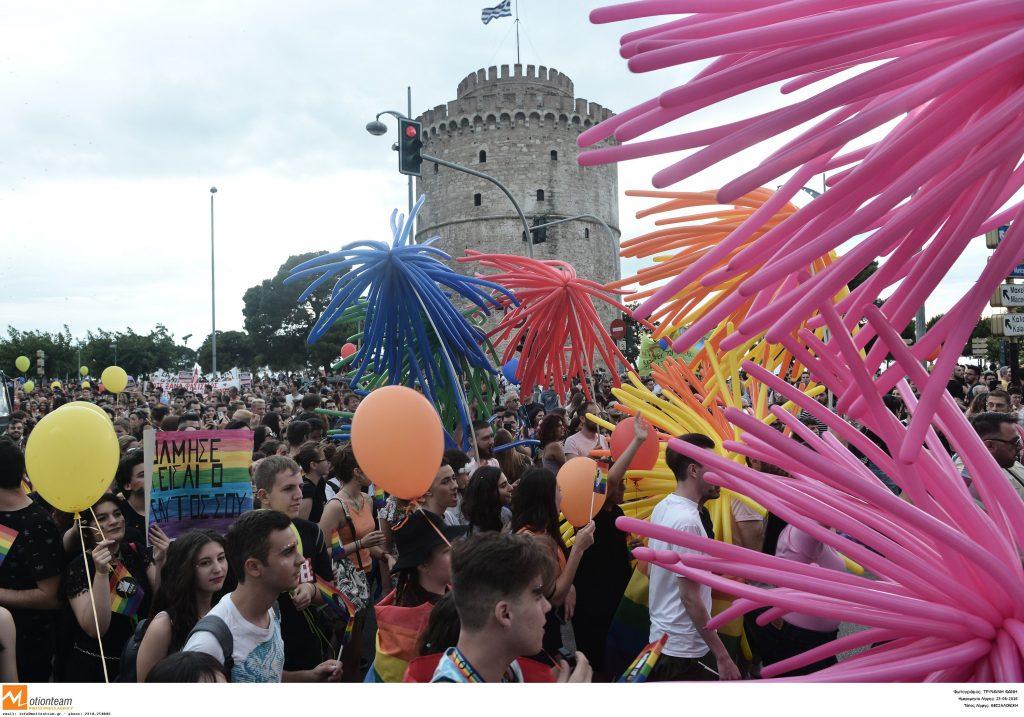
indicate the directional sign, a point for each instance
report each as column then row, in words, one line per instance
column 1009, row 295
column 1011, row 324
column 979, row 353
column 617, row 330
column 975, row 343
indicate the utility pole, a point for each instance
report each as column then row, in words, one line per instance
column 213, row 288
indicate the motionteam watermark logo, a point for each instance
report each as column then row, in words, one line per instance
column 14, row 698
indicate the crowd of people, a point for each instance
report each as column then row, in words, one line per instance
column 473, row 582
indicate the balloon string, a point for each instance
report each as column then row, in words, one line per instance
column 98, row 527
column 92, row 598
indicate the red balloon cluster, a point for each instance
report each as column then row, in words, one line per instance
column 555, row 323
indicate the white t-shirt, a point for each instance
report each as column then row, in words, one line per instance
column 258, row 652
column 668, row 615
column 473, row 465
column 579, row 445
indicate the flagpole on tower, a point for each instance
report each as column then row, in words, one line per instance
column 517, row 32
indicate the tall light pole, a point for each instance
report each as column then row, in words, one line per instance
column 213, row 288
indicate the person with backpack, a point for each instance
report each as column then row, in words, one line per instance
column 192, row 576
column 263, row 552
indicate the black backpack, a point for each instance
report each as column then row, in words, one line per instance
column 130, row 653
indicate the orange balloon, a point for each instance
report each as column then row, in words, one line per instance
column 580, row 503
column 645, row 457
column 383, row 416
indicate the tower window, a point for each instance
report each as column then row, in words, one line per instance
column 476, row 200
column 435, row 167
column 483, row 156
column 540, row 195
column 554, row 155
column 586, row 233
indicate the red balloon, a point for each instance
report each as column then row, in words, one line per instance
column 347, row 350
column 645, row 457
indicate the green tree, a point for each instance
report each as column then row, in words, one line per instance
column 234, row 349
column 278, row 324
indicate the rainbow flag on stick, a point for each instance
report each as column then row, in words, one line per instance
column 7, row 537
column 125, row 593
column 641, row 667
column 600, row 482
column 341, row 606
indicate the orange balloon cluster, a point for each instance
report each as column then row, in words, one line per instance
column 700, row 244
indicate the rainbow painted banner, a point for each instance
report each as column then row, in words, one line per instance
column 7, row 537
column 197, row 479
column 125, row 592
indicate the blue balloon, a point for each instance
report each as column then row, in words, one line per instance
column 509, row 371
column 663, row 343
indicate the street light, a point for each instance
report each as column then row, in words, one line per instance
column 378, row 128
column 213, row 288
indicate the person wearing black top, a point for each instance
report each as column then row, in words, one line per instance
column 315, row 469
column 123, row 582
column 130, row 479
column 306, row 636
column 30, row 573
column 605, row 569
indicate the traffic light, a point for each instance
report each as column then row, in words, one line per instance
column 409, row 146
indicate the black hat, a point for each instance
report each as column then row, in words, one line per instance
column 418, row 537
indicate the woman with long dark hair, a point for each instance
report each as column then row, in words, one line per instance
column 487, row 500
column 552, row 431
column 535, row 507
column 122, row 582
column 192, row 576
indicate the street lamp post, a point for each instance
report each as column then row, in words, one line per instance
column 213, row 288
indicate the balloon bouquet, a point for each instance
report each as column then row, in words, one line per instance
column 413, row 334
column 949, row 601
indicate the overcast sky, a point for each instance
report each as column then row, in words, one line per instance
column 117, row 118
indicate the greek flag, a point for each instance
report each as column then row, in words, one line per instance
column 502, row 9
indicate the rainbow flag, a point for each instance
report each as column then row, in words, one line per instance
column 600, row 482
column 631, row 624
column 641, row 667
column 7, row 537
column 340, row 605
column 125, row 592
column 337, row 547
column 398, row 631
column 379, row 499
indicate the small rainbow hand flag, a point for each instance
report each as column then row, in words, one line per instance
column 600, row 482
column 379, row 499
column 335, row 599
column 7, row 537
column 337, row 547
column 125, row 593
column 644, row 662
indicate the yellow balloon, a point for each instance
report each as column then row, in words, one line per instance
column 114, row 379
column 85, row 404
column 22, row 363
column 55, row 385
column 28, row 386
column 85, row 384
column 84, row 370
column 71, row 458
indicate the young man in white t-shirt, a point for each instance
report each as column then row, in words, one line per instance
column 262, row 550
column 679, row 607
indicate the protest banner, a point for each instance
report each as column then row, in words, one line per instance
column 197, row 479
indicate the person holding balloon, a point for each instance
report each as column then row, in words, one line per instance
column 123, row 581
column 30, row 571
column 606, row 568
column 535, row 507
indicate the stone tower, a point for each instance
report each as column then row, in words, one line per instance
column 521, row 128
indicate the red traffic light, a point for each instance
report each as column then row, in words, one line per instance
column 410, row 131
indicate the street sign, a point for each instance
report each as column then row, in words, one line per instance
column 975, row 343
column 995, row 236
column 621, row 345
column 617, row 329
column 1008, row 324
column 1009, row 295
column 979, row 353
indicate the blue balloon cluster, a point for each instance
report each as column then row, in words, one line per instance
column 413, row 333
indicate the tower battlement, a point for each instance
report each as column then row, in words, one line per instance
column 496, row 79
